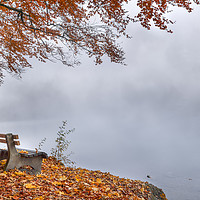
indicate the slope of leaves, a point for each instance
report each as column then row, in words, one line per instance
column 59, row 182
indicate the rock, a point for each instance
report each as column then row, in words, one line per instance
column 156, row 193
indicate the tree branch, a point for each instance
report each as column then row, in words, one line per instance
column 14, row 9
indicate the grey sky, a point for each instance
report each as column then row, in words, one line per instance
column 133, row 120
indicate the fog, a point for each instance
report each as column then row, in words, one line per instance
column 131, row 120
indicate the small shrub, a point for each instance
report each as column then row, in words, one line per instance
column 62, row 144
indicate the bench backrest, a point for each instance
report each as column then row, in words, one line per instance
column 4, row 139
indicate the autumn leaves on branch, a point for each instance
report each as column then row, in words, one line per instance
column 60, row 29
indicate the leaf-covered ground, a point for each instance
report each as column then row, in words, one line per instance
column 59, row 182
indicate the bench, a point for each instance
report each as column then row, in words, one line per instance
column 17, row 159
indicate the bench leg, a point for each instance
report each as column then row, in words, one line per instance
column 18, row 161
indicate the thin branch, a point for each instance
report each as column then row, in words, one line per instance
column 14, row 9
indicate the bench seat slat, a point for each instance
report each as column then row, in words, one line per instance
column 17, row 142
column 15, row 137
column 4, row 136
column 43, row 154
column 2, row 141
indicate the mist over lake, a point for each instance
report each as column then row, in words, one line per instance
column 132, row 121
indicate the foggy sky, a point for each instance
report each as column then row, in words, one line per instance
column 128, row 119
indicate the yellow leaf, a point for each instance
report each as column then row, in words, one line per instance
column 3, row 162
column 20, row 173
column 63, row 178
column 22, row 151
column 60, row 192
column 30, row 186
column 55, row 167
column 57, row 183
column 38, row 198
column 110, row 195
column 41, row 176
column 77, row 179
column 98, row 180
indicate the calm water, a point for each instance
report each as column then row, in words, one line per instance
column 179, row 186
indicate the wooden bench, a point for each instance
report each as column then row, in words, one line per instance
column 18, row 160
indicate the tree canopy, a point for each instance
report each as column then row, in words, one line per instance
column 60, row 29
